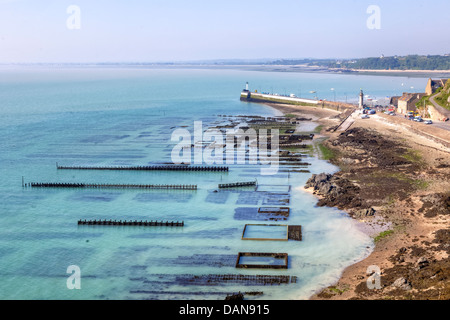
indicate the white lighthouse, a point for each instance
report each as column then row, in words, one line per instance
column 245, row 94
column 361, row 99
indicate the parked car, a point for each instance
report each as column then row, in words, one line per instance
column 365, row 116
column 428, row 122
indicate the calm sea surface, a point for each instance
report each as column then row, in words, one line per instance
column 101, row 116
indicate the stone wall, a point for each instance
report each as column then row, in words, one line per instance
column 435, row 114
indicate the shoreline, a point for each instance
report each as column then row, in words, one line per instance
column 408, row 226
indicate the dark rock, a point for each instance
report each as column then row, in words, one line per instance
column 317, row 180
column 402, row 283
column 364, row 213
column 235, row 297
column 336, row 191
column 421, row 263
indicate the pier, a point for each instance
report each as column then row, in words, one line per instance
column 237, row 184
column 263, row 97
column 294, row 144
column 249, row 96
column 108, row 186
column 131, row 223
column 148, row 168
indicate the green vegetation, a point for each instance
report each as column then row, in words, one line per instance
column 318, row 129
column 410, row 62
column 421, row 184
column 424, row 101
column 401, row 177
column 443, row 95
column 290, row 115
column 413, row 156
column 383, row 235
column 337, row 290
column 327, row 153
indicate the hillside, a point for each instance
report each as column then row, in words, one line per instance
column 443, row 97
column 410, row 62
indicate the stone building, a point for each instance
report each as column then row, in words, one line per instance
column 407, row 102
column 433, row 85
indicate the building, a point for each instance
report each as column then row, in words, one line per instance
column 394, row 101
column 433, row 85
column 361, row 99
column 407, row 102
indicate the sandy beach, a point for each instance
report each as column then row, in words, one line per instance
column 393, row 180
column 408, row 73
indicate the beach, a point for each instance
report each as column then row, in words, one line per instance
column 393, row 181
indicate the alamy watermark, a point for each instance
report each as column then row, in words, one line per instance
column 237, row 146
column 374, row 280
column 73, row 22
column 374, row 20
column 74, row 280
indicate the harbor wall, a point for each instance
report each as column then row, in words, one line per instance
column 269, row 98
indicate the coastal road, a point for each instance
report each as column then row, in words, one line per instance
column 442, row 125
column 438, row 131
column 442, row 110
column 438, row 124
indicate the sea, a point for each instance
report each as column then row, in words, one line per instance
column 126, row 116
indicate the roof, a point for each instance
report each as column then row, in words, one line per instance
column 407, row 97
column 410, row 96
column 438, row 82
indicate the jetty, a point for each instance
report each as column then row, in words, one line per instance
column 237, row 184
column 246, row 95
column 108, row 186
column 148, row 168
column 131, row 223
column 267, row 98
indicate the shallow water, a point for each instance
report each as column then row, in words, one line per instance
column 126, row 117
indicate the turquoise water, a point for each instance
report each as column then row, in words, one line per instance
column 95, row 116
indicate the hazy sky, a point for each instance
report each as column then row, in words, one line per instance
column 168, row 30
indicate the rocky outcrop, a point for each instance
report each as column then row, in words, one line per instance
column 402, row 283
column 421, row 263
column 338, row 192
column 435, row 204
column 321, row 183
column 363, row 213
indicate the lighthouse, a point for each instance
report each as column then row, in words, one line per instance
column 361, row 99
column 245, row 94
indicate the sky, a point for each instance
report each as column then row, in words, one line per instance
column 45, row 31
